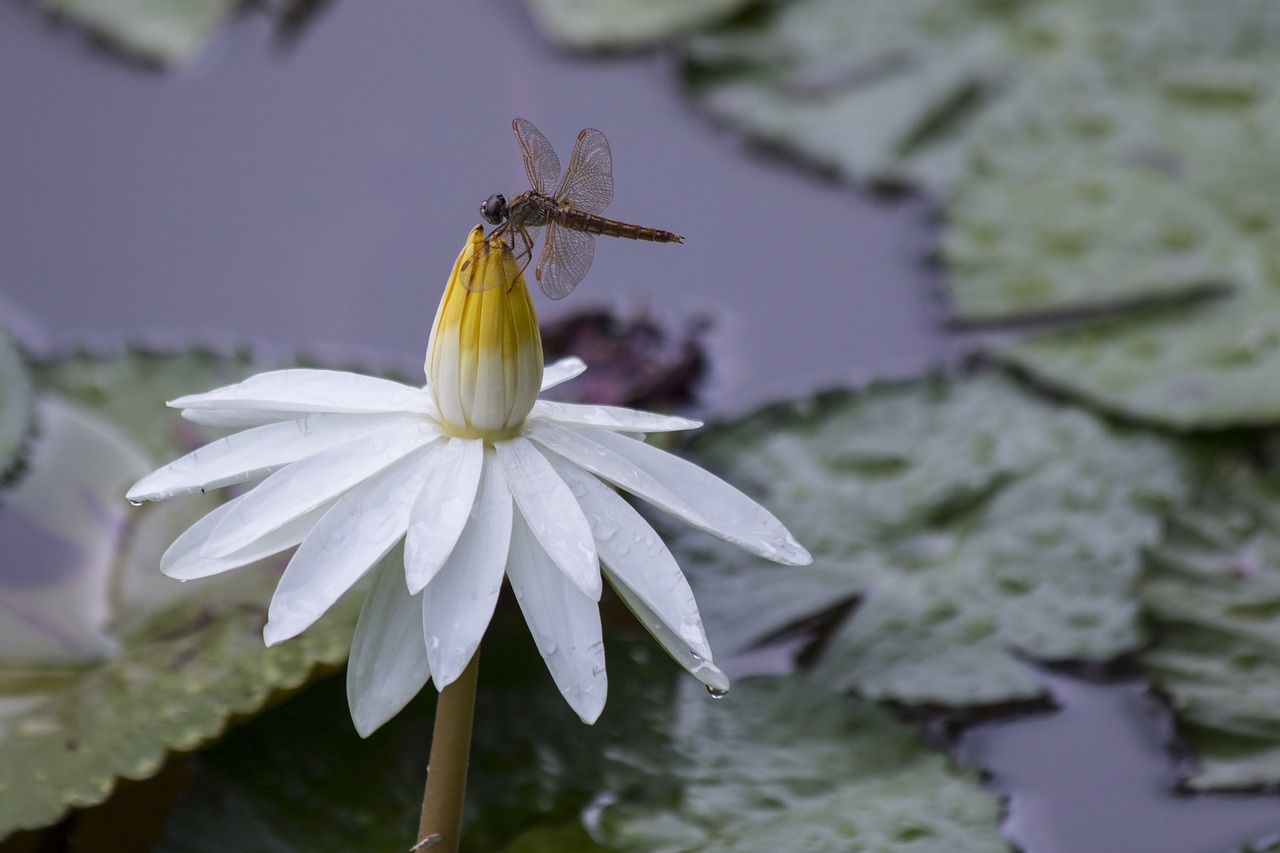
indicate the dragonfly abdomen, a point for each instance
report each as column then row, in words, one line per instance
column 592, row 224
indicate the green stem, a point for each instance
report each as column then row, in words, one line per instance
column 440, row 829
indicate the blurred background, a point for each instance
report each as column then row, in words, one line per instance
column 297, row 179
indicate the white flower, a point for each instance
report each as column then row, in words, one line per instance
column 480, row 481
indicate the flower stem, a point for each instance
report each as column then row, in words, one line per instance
column 440, row 829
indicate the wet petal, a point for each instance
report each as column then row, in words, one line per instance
column 357, row 532
column 645, row 575
column 184, row 560
column 611, row 417
column 388, row 664
column 565, row 623
column 256, row 452
column 458, row 603
column 553, row 514
column 562, row 371
column 289, row 393
column 303, row 486
column 673, row 485
column 442, row 508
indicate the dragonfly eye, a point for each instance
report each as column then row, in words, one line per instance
column 494, row 209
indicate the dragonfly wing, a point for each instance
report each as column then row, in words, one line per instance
column 540, row 161
column 566, row 257
column 588, row 182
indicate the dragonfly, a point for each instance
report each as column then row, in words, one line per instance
column 571, row 214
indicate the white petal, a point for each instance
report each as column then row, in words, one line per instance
column 184, row 561
column 255, row 452
column 611, row 417
column 442, row 508
column 299, row 391
column 565, row 623
column 562, row 371
column 675, row 486
column 458, row 603
column 303, row 486
column 388, row 664
column 553, row 514
column 645, row 575
column 357, row 532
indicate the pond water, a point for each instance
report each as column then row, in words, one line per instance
column 313, row 195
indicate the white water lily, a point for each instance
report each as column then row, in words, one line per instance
column 480, row 481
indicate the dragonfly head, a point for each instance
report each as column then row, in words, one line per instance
column 494, row 209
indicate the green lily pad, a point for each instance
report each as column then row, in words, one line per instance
column 875, row 89
column 1212, row 592
column 16, row 404
column 781, row 764
column 1203, row 366
column 1092, row 155
column 625, row 24
column 1100, row 238
column 971, row 522
column 665, row 768
column 106, row 665
column 163, row 31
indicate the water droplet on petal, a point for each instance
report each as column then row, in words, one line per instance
column 135, row 503
column 717, row 694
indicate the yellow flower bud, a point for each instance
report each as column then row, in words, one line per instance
column 484, row 361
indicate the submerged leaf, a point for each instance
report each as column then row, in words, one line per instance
column 972, row 522
column 612, row 24
column 108, row 664
column 156, row 30
column 16, row 404
column 1212, row 591
column 778, row 765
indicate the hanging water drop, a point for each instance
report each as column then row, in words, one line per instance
column 135, row 503
column 717, row 693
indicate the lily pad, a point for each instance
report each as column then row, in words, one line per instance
column 16, row 404
column 972, row 523
column 1092, row 155
column 112, row 665
column 874, row 89
column 665, row 768
column 781, row 764
column 1201, row 366
column 1018, row 247
column 1212, row 592
column 625, row 24
column 163, row 31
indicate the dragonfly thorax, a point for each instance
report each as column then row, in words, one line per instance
column 495, row 209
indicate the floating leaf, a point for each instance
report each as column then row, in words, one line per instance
column 1212, row 590
column 1204, row 366
column 876, row 89
column 161, row 31
column 61, row 527
column 1093, row 155
column 16, row 403
column 146, row 664
column 613, row 24
column 777, row 759
column 973, row 522
column 1067, row 241
column 784, row 765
